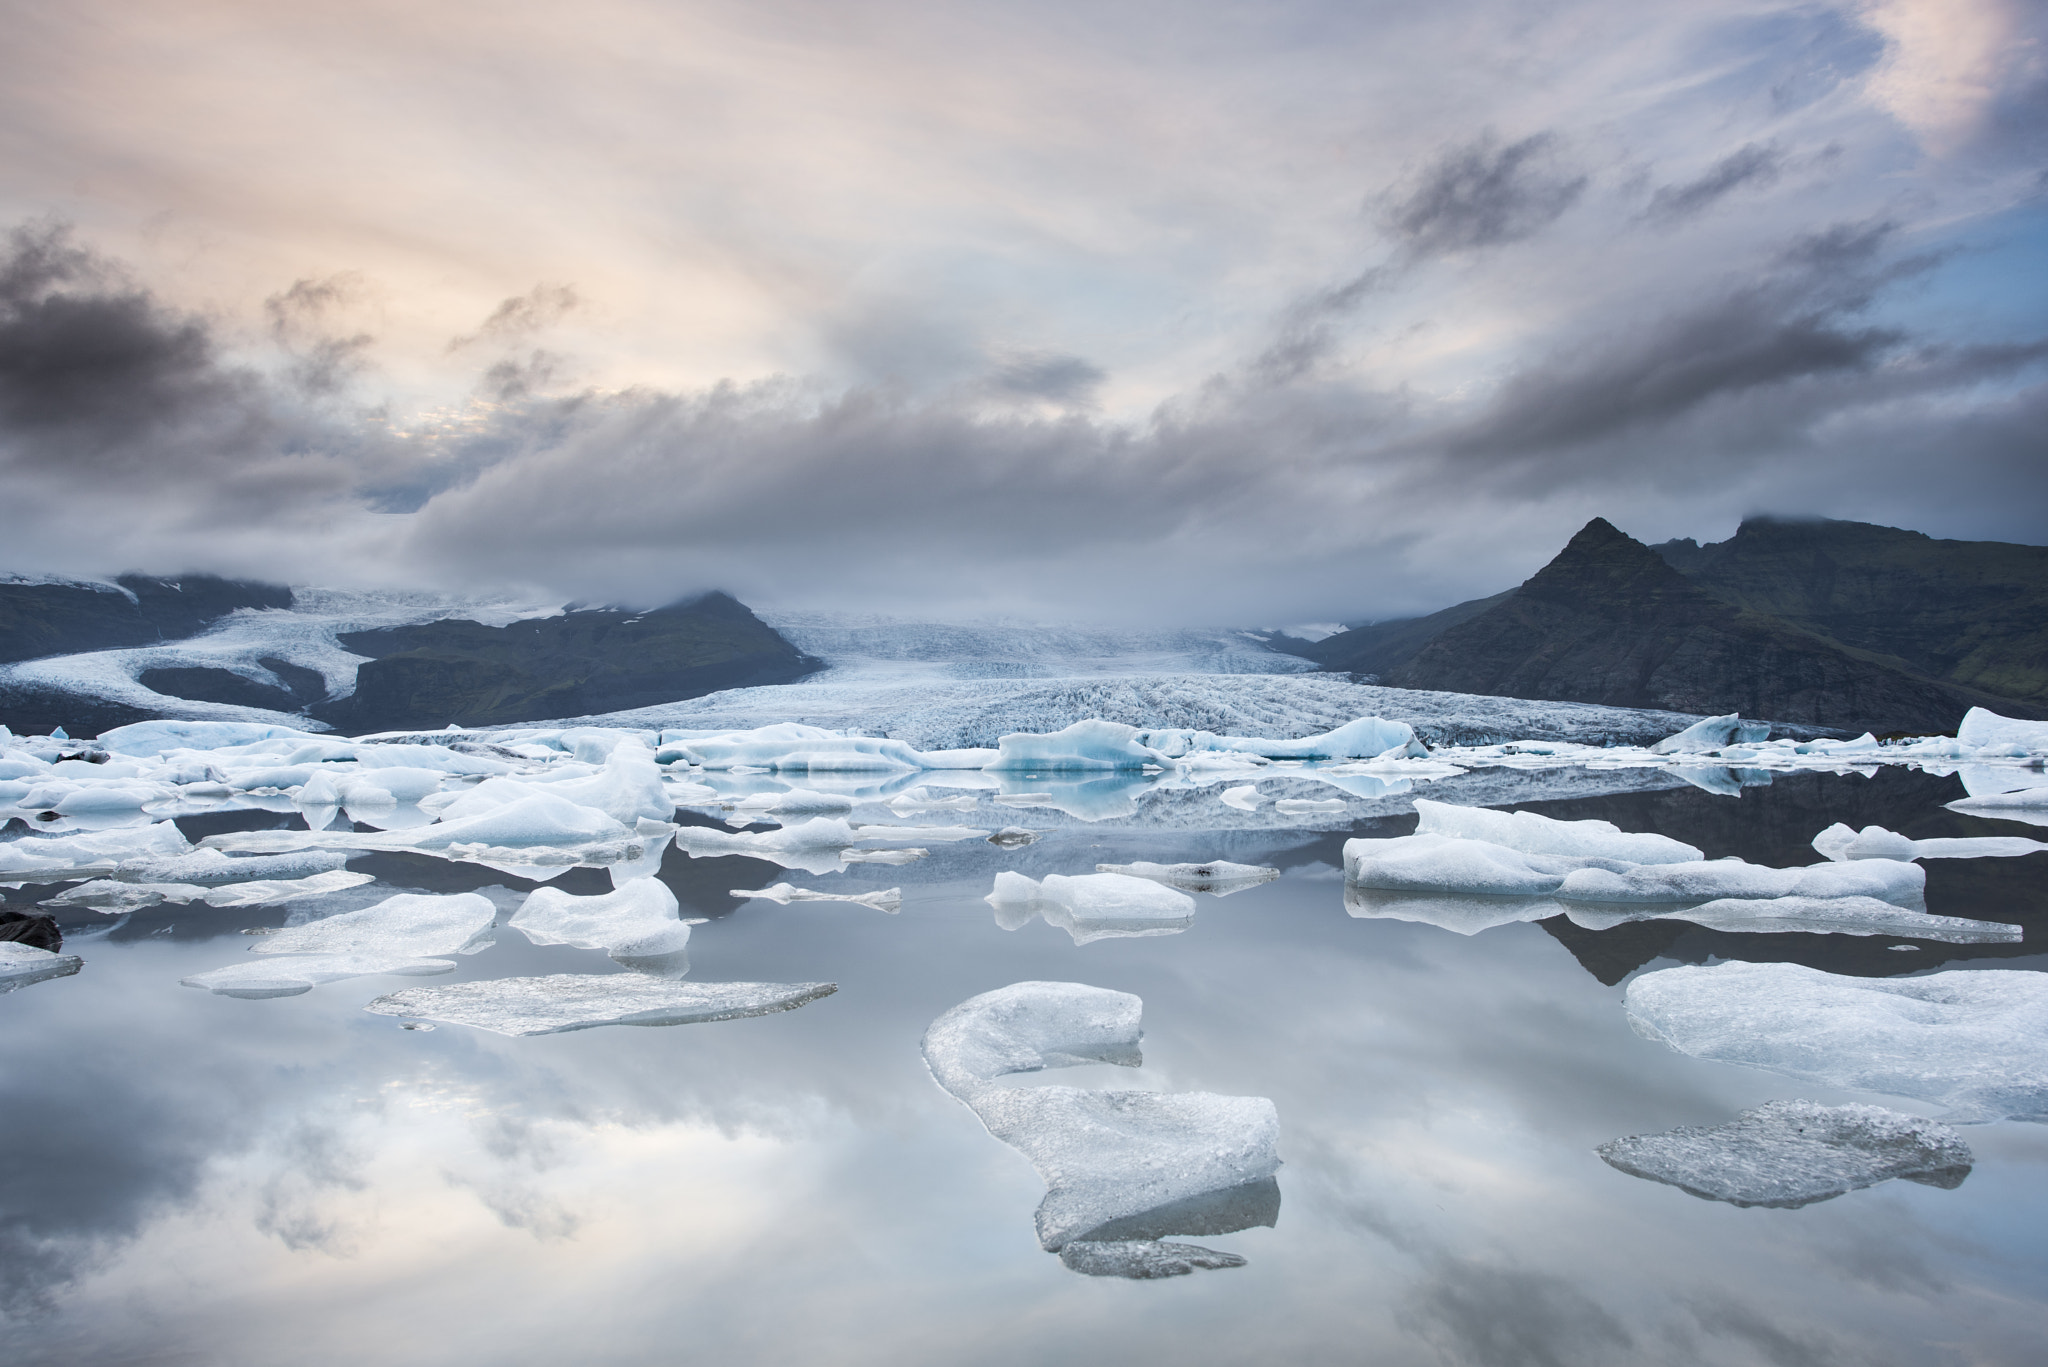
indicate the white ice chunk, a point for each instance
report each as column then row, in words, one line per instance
column 799, row 800
column 628, row 788
column 1975, row 1041
column 1713, row 733
column 1810, row 916
column 1982, row 730
column 2019, row 804
column 890, row 900
column 1092, row 906
column 155, row 737
column 561, row 1002
column 1088, row 745
column 639, row 920
column 270, row 892
column 111, row 797
column 111, row 898
column 1244, row 798
column 56, row 858
column 1439, row 863
column 1533, row 834
column 1117, row 1165
column 21, row 965
column 1365, row 738
column 791, row 747
column 1875, row 842
column 1218, row 877
column 1888, row 880
column 291, row 975
column 1788, row 1154
column 408, row 925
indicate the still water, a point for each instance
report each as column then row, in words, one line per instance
column 192, row 1178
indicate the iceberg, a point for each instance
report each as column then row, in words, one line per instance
column 268, row 892
column 1714, row 733
column 1093, row 906
column 1975, row 1042
column 1533, row 834
column 112, row 898
column 291, row 975
column 1365, row 738
column 1119, row 1166
column 789, row 746
column 1218, row 877
column 157, row 737
column 1788, row 1154
column 1838, row 842
column 1984, row 730
column 1244, row 797
column 561, row 1002
column 1086, row 745
column 21, row 965
column 1450, row 864
column 890, row 900
column 638, row 921
column 409, row 925
column 92, row 854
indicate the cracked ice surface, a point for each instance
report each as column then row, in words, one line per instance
column 21, row 965
column 1787, row 1154
column 1119, row 1166
column 560, row 1002
column 1973, row 1041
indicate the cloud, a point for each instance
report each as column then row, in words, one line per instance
column 1483, row 194
column 523, row 315
column 1506, row 1317
column 1754, row 164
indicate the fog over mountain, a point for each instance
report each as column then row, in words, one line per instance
column 1187, row 313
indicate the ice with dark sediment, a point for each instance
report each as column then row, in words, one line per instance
column 21, row 965
column 1787, row 1154
column 1840, row 842
column 407, row 925
column 639, row 920
column 1218, row 877
column 560, row 1002
column 1121, row 1167
column 292, row 974
column 1093, row 906
column 1975, row 1042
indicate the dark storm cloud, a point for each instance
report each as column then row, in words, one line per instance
column 1483, row 194
column 1048, row 375
column 1755, row 164
column 324, row 362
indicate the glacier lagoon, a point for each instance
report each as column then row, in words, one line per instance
column 201, row 1176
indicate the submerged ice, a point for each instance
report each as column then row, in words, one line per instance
column 560, row 1002
column 1787, row 1154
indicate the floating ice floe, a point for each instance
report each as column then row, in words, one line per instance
column 561, row 1002
column 638, row 921
column 412, row 925
column 791, row 747
column 1839, row 842
column 1788, row 1154
column 1713, row 733
column 292, row 974
column 1975, row 1042
column 1244, row 798
column 21, row 965
column 889, row 900
column 1123, row 1169
column 270, row 892
column 1448, row 864
column 1888, row 880
column 1982, row 730
column 1850, row 915
column 1218, row 878
column 93, row 854
column 112, row 898
column 1533, row 834
column 1093, row 906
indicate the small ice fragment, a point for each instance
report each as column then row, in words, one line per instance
column 416, row 1025
column 1218, row 877
column 1141, row 1259
column 1788, row 1154
column 1838, row 842
column 112, row 898
column 1713, row 733
column 890, row 900
column 1014, row 837
column 561, row 1002
column 409, row 925
column 1244, row 798
column 273, row 892
column 1093, row 906
column 638, row 921
column 23, row 964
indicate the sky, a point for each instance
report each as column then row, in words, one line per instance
column 1186, row 313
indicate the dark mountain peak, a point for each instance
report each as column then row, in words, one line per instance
column 1605, row 565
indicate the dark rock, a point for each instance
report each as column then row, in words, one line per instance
column 579, row 663
column 31, row 928
column 1382, row 648
column 63, row 619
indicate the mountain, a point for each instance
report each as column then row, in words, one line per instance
column 574, row 664
column 1613, row 621
column 1971, row 613
column 42, row 618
